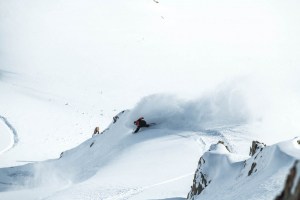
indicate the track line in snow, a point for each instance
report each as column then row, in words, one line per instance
column 13, row 132
column 221, row 136
column 135, row 191
column 125, row 195
column 197, row 138
column 168, row 181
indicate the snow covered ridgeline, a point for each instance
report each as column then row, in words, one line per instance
column 75, row 165
column 114, row 165
column 221, row 175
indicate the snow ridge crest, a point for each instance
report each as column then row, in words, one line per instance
column 217, row 171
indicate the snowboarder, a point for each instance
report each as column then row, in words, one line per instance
column 140, row 123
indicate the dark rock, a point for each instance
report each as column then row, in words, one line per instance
column 92, row 144
column 255, row 147
column 201, row 161
column 221, row 142
column 200, row 181
column 252, row 168
column 291, row 189
column 96, row 130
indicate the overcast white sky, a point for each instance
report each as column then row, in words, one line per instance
column 139, row 47
column 179, row 38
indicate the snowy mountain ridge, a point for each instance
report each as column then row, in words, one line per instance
column 120, row 165
column 68, row 66
column 259, row 177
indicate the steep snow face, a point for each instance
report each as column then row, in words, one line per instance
column 43, row 119
column 114, row 163
column 156, row 163
column 66, row 66
column 259, row 177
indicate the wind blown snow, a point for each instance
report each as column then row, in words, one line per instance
column 203, row 71
column 220, row 108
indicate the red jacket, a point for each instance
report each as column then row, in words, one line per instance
column 137, row 122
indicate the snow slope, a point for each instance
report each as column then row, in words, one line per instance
column 69, row 66
column 156, row 163
column 262, row 176
column 50, row 122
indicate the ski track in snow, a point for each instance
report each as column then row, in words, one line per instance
column 214, row 134
column 197, row 138
column 221, row 137
column 13, row 131
column 135, row 191
column 124, row 193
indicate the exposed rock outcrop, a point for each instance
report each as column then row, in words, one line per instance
column 221, row 142
column 291, row 189
column 256, row 146
column 202, row 176
column 255, row 150
column 219, row 171
column 252, row 168
column 200, row 180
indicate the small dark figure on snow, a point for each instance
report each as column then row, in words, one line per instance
column 96, row 130
column 140, row 123
column 115, row 118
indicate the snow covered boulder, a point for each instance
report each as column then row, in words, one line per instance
column 291, row 189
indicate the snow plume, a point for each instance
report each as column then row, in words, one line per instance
column 274, row 102
column 269, row 102
column 46, row 174
column 225, row 106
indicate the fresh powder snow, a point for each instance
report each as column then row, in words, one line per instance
column 213, row 76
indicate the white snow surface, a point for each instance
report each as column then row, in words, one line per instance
column 69, row 66
column 156, row 163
